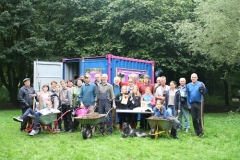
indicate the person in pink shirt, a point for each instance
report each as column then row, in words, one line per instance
column 44, row 96
column 150, row 99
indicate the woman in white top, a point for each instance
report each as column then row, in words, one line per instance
column 172, row 99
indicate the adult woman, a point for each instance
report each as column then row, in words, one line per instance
column 76, row 102
column 122, row 102
column 135, row 101
column 130, row 85
column 172, row 99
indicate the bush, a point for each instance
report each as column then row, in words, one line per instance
column 4, row 96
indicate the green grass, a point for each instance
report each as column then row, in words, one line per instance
column 221, row 141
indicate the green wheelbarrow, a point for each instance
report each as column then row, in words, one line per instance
column 159, row 126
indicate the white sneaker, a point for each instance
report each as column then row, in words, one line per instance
column 33, row 132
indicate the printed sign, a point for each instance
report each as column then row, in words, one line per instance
column 124, row 74
column 92, row 72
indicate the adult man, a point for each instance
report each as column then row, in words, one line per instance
column 25, row 96
column 158, row 80
column 88, row 92
column 116, row 90
column 184, row 110
column 146, row 83
column 195, row 91
column 105, row 97
column 97, row 79
column 162, row 90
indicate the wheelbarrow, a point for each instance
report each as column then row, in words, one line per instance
column 90, row 123
column 159, row 126
column 46, row 121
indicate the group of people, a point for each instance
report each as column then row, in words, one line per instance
column 166, row 101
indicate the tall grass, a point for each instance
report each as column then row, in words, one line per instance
column 221, row 141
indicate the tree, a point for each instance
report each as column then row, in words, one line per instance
column 31, row 30
column 215, row 33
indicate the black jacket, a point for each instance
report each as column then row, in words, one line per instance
column 24, row 96
column 118, row 100
column 135, row 101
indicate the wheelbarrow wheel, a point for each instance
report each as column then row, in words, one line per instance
column 87, row 132
column 153, row 130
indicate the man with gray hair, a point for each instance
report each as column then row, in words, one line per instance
column 184, row 110
column 162, row 89
column 116, row 89
column 106, row 99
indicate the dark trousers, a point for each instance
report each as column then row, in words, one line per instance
column 104, row 107
column 35, row 114
column 196, row 117
column 59, row 121
column 143, row 122
column 133, row 120
column 25, row 120
column 66, row 117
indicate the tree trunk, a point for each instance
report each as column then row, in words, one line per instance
column 226, row 92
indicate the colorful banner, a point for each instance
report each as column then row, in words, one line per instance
column 124, row 73
column 92, row 72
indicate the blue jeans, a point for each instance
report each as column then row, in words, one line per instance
column 170, row 109
column 35, row 114
column 184, row 112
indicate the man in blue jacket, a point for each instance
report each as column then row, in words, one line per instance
column 195, row 91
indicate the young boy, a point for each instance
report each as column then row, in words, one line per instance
column 44, row 111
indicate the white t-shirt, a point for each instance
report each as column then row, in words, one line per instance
column 47, row 111
column 160, row 90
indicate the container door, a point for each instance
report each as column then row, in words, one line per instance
column 45, row 72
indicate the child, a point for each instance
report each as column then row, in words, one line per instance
column 160, row 111
column 44, row 96
column 44, row 111
column 66, row 103
column 150, row 99
column 56, row 104
column 123, row 117
column 135, row 101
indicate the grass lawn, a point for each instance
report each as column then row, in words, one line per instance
column 221, row 141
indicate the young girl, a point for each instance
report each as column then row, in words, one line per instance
column 44, row 96
column 66, row 103
column 135, row 101
column 160, row 111
column 123, row 117
column 172, row 100
column 150, row 99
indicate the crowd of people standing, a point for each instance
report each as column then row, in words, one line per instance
column 167, row 101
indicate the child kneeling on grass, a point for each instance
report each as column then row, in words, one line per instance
column 44, row 111
column 160, row 111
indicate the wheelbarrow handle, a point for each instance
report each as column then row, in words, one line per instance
column 108, row 112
